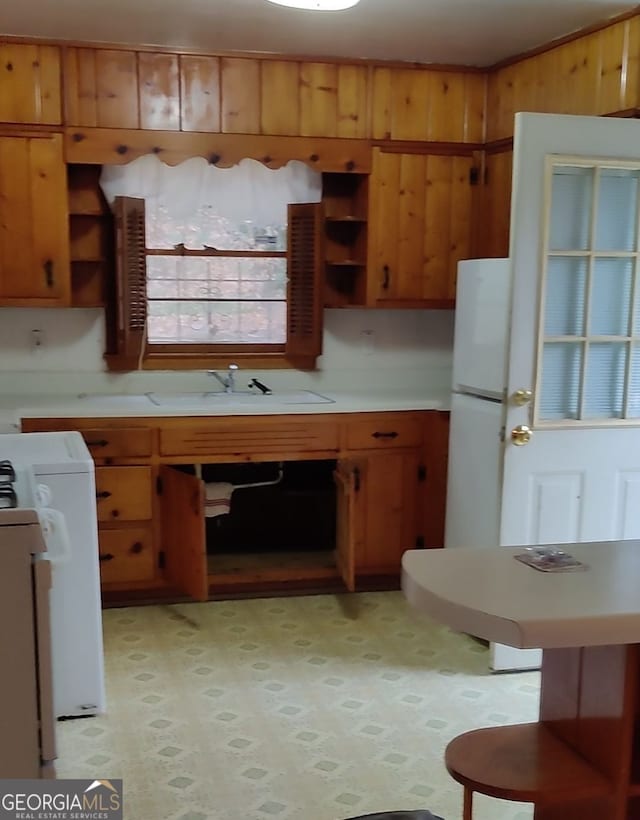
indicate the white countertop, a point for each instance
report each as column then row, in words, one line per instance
column 15, row 407
column 487, row 593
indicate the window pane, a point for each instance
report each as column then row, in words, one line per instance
column 217, row 322
column 604, row 382
column 565, row 297
column 617, row 213
column 561, row 363
column 634, row 383
column 571, row 196
column 205, row 228
column 611, row 297
column 172, row 277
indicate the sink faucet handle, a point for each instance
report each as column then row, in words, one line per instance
column 261, row 387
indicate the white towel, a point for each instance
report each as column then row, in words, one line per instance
column 217, row 495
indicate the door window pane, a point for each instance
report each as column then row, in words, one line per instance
column 571, row 198
column 561, row 364
column 565, row 297
column 611, row 297
column 634, row 383
column 617, row 213
column 604, row 381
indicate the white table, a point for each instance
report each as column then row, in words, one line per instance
column 581, row 761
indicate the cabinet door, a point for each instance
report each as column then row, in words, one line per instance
column 34, row 222
column 420, row 227
column 123, row 493
column 183, row 532
column 349, row 519
column 391, row 486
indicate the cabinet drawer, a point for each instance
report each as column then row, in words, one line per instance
column 126, row 555
column 237, row 437
column 123, row 493
column 126, row 442
column 383, row 432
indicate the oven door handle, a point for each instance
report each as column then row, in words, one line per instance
column 56, row 535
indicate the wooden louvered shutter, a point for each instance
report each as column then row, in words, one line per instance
column 131, row 284
column 304, row 291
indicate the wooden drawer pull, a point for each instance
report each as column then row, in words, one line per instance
column 104, row 494
column 101, row 442
column 385, row 277
column 136, row 548
column 384, row 435
column 107, row 556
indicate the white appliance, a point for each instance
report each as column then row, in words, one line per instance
column 56, row 476
column 478, row 411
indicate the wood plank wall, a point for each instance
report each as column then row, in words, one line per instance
column 109, row 88
column 119, row 88
column 598, row 73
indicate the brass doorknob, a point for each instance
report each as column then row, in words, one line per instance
column 521, row 435
column 522, row 397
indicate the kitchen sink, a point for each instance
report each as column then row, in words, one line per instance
column 240, row 398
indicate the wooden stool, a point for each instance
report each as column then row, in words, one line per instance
column 525, row 762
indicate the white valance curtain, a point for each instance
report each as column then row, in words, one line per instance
column 248, row 192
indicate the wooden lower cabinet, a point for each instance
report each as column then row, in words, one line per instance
column 375, row 471
column 126, row 556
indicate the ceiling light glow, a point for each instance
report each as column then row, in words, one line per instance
column 317, row 5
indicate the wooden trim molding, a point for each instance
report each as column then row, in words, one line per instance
column 111, row 146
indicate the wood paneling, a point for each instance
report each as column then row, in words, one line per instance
column 240, row 82
column 81, row 104
column 199, row 93
column 109, row 88
column 117, row 89
column 280, row 97
column 352, row 101
column 319, row 99
column 494, row 213
column 410, row 104
column 595, row 74
column 30, row 89
column 159, row 91
column 381, row 103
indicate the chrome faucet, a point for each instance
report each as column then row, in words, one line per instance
column 228, row 381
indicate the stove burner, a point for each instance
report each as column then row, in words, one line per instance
column 8, row 497
column 7, row 473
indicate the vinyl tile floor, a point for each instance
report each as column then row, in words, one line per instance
column 318, row 707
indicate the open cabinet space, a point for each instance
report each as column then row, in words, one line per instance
column 251, row 524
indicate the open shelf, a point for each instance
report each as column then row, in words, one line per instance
column 90, row 236
column 344, row 198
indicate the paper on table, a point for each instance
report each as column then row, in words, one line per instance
column 549, row 559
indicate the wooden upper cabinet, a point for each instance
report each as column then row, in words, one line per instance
column 427, row 105
column 420, row 226
column 34, row 229
column 30, row 84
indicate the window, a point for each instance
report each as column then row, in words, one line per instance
column 219, row 269
column 589, row 358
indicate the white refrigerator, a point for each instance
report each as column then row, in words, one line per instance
column 476, row 442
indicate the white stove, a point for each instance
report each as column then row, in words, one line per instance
column 50, row 477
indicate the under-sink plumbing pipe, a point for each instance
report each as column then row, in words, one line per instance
column 198, row 470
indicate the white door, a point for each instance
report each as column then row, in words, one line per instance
column 575, row 333
column 574, row 338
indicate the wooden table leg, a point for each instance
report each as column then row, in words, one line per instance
column 467, row 805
